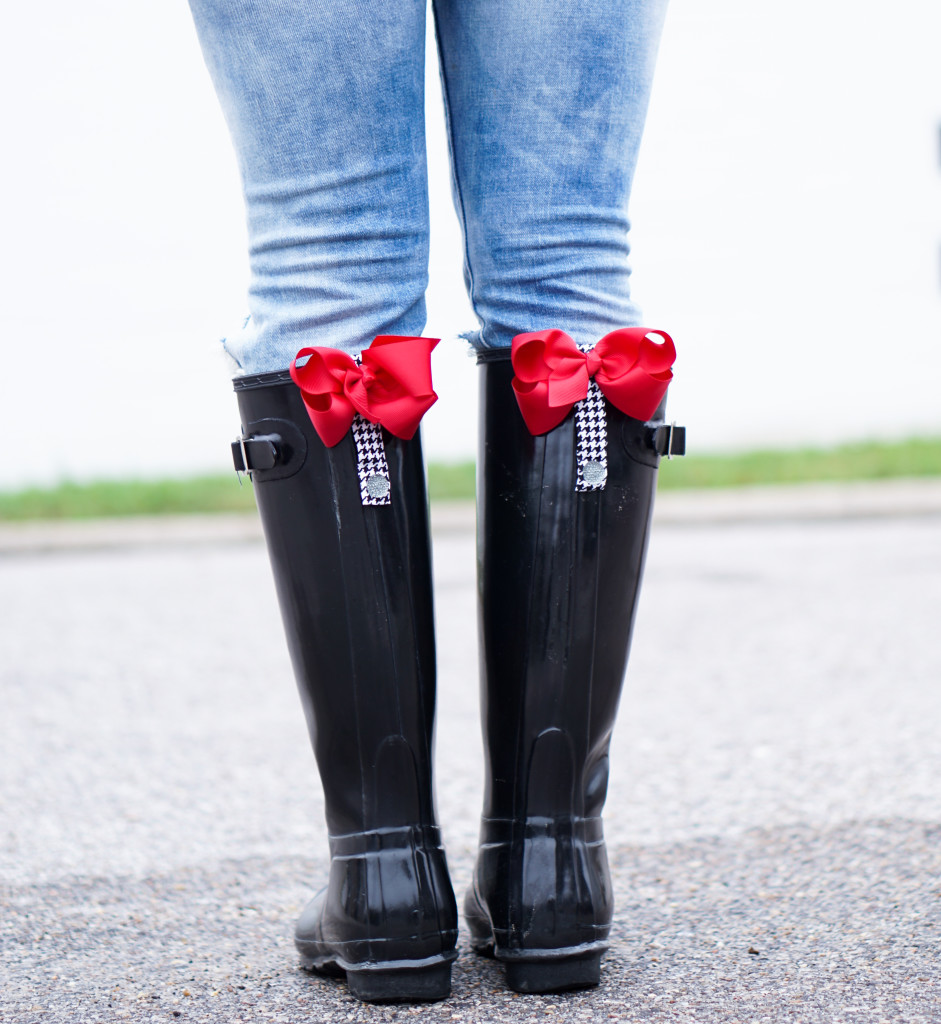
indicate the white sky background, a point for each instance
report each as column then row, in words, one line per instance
column 787, row 216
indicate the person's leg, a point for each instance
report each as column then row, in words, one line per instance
column 325, row 104
column 546, row 106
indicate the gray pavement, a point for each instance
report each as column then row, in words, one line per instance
column 774, row 818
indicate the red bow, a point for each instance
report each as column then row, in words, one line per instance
column 631, row 366
column 391, row 387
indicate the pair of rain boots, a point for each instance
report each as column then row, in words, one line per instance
column 346, row 527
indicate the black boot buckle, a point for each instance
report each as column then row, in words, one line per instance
column 668, row 439
column 257, row 452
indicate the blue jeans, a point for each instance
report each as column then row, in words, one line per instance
column 324, row 100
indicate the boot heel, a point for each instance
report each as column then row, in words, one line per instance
column 549, row 975
column 401, row 984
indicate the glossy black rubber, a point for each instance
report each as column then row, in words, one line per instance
column 558, row 579
column 354, row 587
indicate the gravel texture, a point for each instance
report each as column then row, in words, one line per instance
column 774, row 818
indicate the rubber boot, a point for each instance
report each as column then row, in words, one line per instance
column 354, row 586
column 559, row 573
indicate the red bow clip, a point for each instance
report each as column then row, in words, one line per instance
column 631, row 366
column 391, row 387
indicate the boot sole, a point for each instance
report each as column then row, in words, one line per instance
column 400, row 981
column 558, row 974
column 551, row 970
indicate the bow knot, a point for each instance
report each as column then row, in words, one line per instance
column 631, row 367
column 390, row 386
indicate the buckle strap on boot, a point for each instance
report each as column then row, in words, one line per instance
column 667, row 439
column 274, row 448
column 251, row 453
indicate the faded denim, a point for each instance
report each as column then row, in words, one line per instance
column 545, row 105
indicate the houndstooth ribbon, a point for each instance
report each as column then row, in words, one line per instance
column 371, row 464
column 591, row 441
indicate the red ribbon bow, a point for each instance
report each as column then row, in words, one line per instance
column 631, row 366
column 391, row 387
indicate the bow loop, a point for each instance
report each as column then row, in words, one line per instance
column 631, row 366
column 391, row 386
column 551, row 376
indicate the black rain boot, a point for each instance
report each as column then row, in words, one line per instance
column 559, row 572
column 354, row 585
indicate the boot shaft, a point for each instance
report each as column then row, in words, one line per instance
column 559, row 576
column 354, row 587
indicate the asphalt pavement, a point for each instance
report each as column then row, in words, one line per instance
column 774, row 814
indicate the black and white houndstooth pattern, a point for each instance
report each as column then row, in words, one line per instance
column 591, row 441
column 371, row 464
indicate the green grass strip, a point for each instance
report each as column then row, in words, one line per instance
column 202, row 494
column 866, row 460
column 917, row 457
